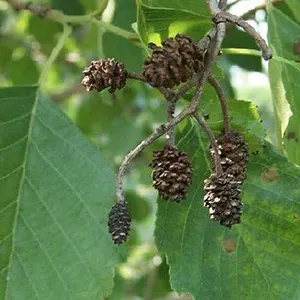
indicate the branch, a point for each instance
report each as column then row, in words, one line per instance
column 216, row 85
column 213, row 142
column 266, row 52
column 223, row 4
column 60, row 17
column 171, row 133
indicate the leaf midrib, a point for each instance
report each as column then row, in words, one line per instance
column 29, row 138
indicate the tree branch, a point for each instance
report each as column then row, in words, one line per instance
column 266, row 51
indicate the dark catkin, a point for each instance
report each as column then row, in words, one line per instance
column 119, row 222
column 173, row 63
column 172, row 173
column 223, row 199
column 104, row 73
column 223, row 192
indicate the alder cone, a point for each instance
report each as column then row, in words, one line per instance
column 104, row 73
column 223, row 198
column 173, row 63
column 172, row 173
column 234, row 155
column 119, row 222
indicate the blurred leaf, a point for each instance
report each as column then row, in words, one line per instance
column 56, row 192
column 122, row 49
column 45, row 32
column 73, row 7
column 120, row 137
column 257, row 259
column 188, row 5
column 295, row 8
column 137, row 205
column 22, row 70
column 282, row 44
column 239, row 39
column 156, row 24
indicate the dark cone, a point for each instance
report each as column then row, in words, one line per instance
column 104, row 73
column 172, row 173
column 119, row 222
column 223, row 198
column 173, row 63
column 234, row 155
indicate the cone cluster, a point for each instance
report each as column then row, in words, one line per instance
column 173, row 63
column 172, row 173
column 104, row 73
column 119, row 222
column 223, row 192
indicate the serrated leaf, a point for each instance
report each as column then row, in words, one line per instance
column 56, row 190
column 157, row 24
column 282, row 34
column 257, row 259
column 244, row 118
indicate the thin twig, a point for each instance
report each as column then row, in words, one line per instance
column 223, row 4
column 266, row 51
column 217, row 86
column 171, row 134
column 213, row 142
column 165, row 92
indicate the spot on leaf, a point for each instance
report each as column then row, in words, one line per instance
column 291, row 135
column 229, row 245
column 269, row 175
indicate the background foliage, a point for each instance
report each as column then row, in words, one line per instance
column 60, row 148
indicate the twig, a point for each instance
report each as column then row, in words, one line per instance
column 165, row 92
column 101, row 9
column 266, row 52
column 223, row 4
column 171, row 133
column 216, row 85
column 213, row 141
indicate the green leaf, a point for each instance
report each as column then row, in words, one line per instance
column 244, row 118
column 122, row 49
column 285, row 89
column 56, row 191
column 294, row 5
column 157, row 24
column 258, row 259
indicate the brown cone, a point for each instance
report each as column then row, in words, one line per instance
column 234, row 155
column 172, row 173
column 104, row 73
column 173, row 63
column 223, row 198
